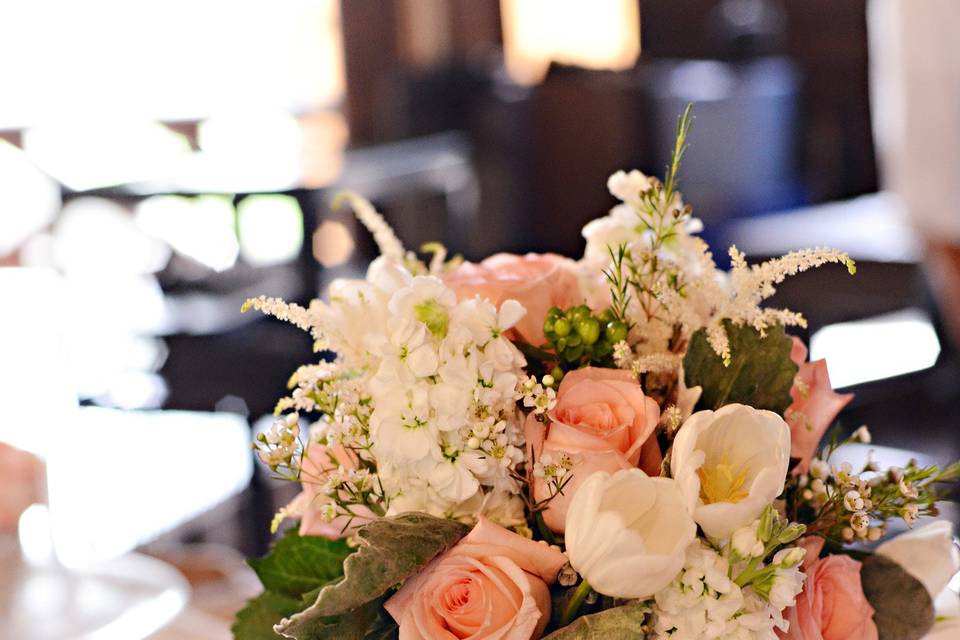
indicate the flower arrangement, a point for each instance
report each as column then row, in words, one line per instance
column 623, row 446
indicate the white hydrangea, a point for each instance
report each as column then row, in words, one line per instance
column 704, row 603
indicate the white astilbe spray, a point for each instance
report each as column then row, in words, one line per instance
column 387, row 242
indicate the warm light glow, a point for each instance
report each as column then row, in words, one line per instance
column 332, row 243
column 909, row 343
column 172, row 60
column 111, row 486
column 270, row 229
column 201, row 228
column 33, row 532
column 87, row 150
column 603, row 34
column 28, row 199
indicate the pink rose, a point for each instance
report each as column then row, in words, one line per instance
column 537, row 281
column 603, row 422
column 317, row 463
column 832, row 605
column 492, row 584
column 815, row 406
column 20, row 477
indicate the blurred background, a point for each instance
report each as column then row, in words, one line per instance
column 162, row 161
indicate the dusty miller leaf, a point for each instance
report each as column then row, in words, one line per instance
column 904, row 610
column 391, row 550
column 297, row 564
column 356, row 624
column 760, row 373
column 619, row 623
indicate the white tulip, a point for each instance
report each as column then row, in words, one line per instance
column 627, row 533
column 928, row 553
column 730, row 464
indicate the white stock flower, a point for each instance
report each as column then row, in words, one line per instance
column 745, row 541
column 444, row 424
column 730, row 464
column 627, row 534
column 621, row 226
column 426, row 300
column 628, row 186
column 703, row 603
column 787, row 585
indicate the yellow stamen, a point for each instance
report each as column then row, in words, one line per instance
column 722, row 483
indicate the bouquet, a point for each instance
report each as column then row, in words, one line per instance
column 623, row 446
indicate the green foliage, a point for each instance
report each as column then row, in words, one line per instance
column 391, row 550
column 292, row 573
column 760, row 373
column 619, row 623
column 255, row 621
column 904, row 610
column 296, row 564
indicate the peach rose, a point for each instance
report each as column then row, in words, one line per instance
column 318, row 461
column 492, row 584
column 815, row 406
column 832, row 605
column 603, row 422
column 21, row 479
column 537, row 281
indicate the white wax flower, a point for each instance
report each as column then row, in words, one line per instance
column 730, row 464
column 927, row 553
column 627, row 533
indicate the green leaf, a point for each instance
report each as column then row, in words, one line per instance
column 904, row 610
column 760, row 373
column 255, row 621
column 297, row 564
column 391, row 550
column 625, row 622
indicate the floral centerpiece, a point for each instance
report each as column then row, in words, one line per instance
column 623, row 446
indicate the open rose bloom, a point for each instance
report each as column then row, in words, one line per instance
column 603, row 422
column 537, row 281
column 492, row 585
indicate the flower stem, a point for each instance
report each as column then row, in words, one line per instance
column 543, row 528
column 579, row 596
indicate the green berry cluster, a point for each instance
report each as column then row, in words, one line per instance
column 577, row 335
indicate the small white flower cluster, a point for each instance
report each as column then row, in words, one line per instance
column 852, row 492
column 281, row 443
column 539, row 398
column 553, row 470
column 704, row 603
